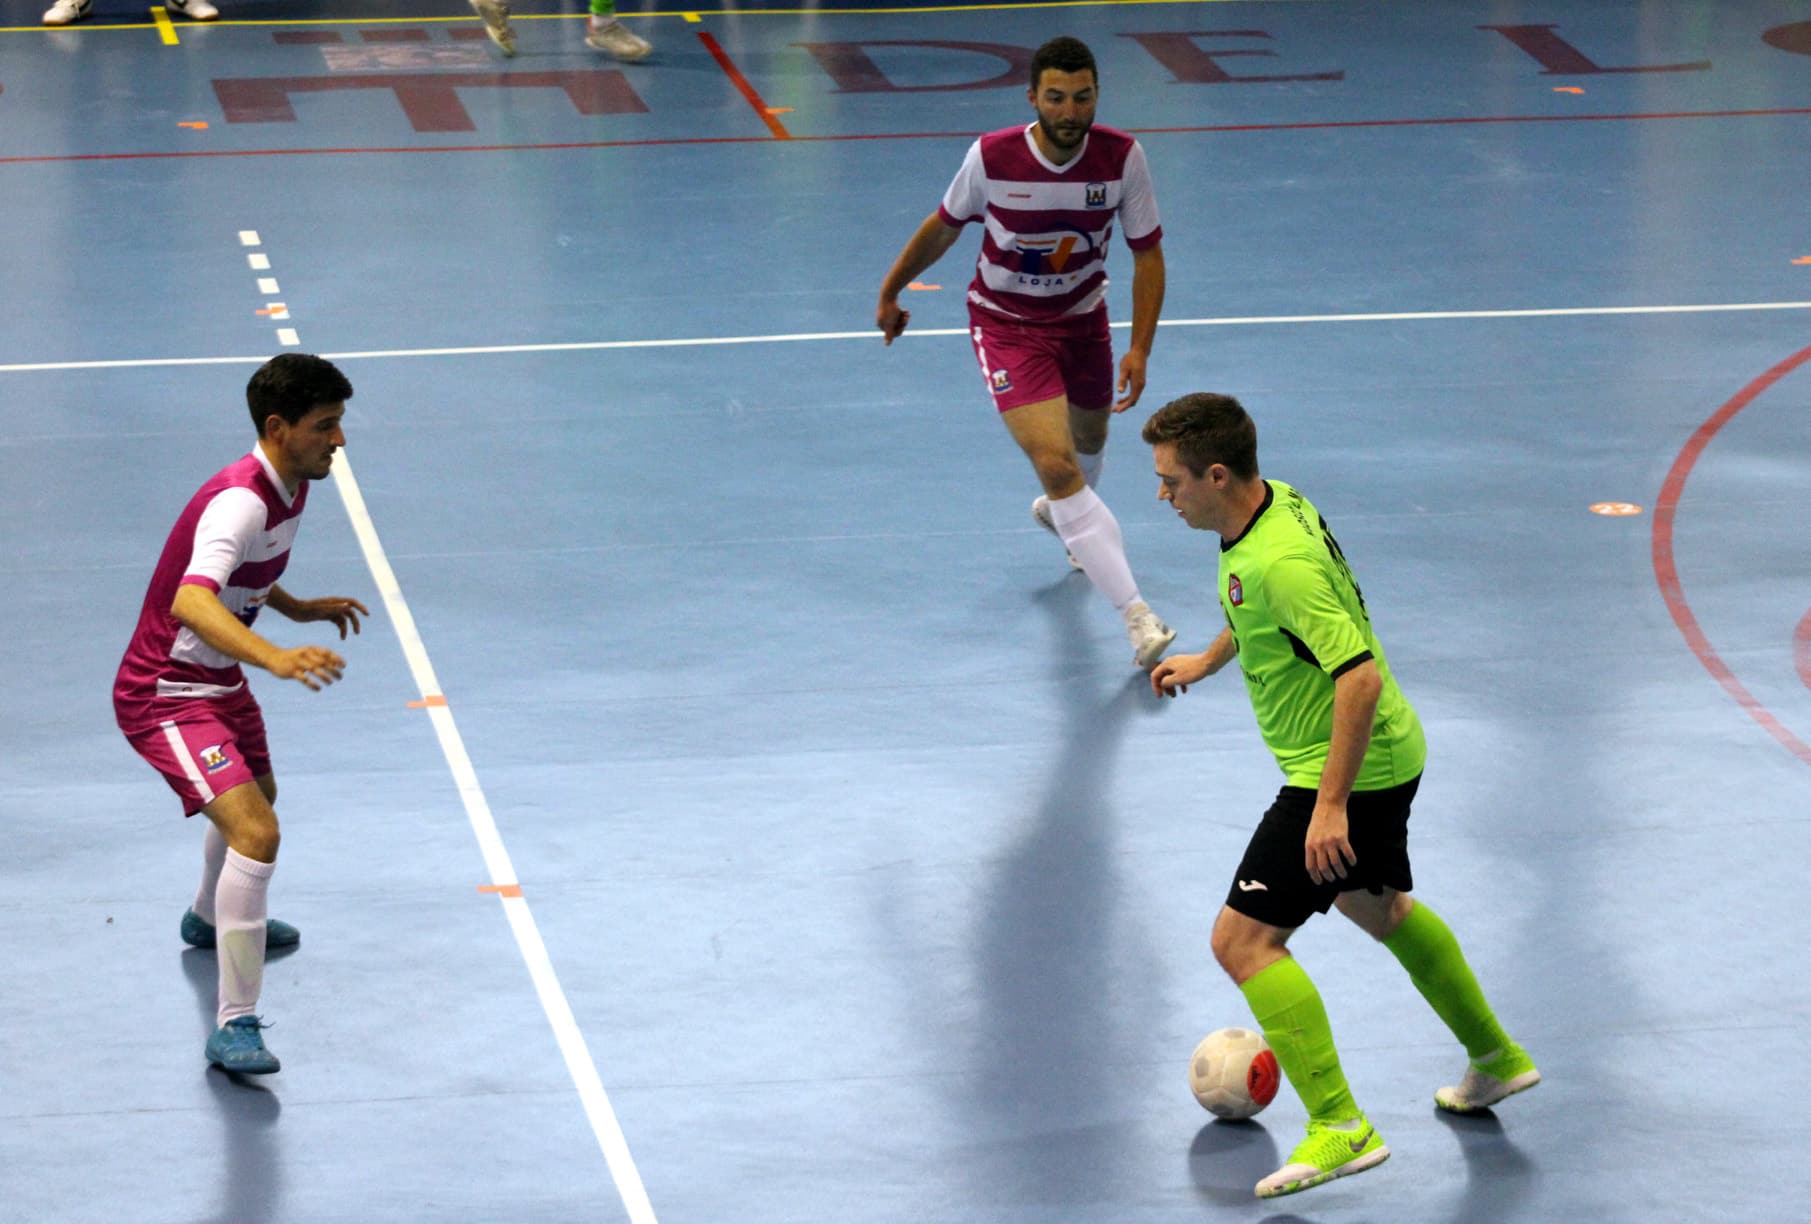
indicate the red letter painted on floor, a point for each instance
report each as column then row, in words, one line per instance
column 1795, row 38
column 428, row 98
column 1193, row 66
column 1558, row 57
column 853, row 72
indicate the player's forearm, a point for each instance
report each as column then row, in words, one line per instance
column 1147, row 297
column 282, row 602
column 1355, row 697
column 923, row 249
column 202, row 613
column 1224, row 650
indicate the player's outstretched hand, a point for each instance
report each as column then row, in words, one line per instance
column 1174, row 674
column 343, row 612
column 1327, row 850
column 314, row 666
column 891, row 320
column 1131, row 380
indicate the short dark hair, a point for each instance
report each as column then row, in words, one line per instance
column 1207, row 429
column 291, row 385
column 1064, row 54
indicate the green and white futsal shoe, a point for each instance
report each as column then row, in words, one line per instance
column 1330, row 1151
column 615, row 39
column 1488, row 1080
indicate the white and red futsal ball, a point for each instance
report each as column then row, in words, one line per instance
column 1233, row 1073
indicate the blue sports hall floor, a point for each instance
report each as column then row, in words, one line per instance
column 735, row 810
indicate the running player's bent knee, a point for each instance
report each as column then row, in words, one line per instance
column 1059, row 475
column 1234, row 950
column 248, row 822
column 257, row 840
column 1244, row 947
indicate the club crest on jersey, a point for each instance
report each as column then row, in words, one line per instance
column 214, row 758
column 1235, row 591
column 1001, row 380
column 1096, row 195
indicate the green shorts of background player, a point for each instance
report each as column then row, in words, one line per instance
column 1351, row 750
column 603, row 32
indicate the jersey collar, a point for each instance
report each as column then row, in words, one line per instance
column 270, row 472
column 1045, row 162
column 1270, row 495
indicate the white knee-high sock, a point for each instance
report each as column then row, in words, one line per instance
column 1092, row 536
column 1090, row 466
column 241, row 905
column 213, row 857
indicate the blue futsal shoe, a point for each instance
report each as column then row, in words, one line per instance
column 238, row 1045
column 199, row 934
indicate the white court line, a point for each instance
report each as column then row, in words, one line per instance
column 579, row 1064
column 496, row 858
column 870, row 334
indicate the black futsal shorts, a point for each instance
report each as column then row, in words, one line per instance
column 1273, row 884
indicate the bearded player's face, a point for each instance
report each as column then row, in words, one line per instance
column 1065, row 105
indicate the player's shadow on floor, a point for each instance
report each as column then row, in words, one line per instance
column 1065, row 976
column 1228, row 1158
column 1498, row 1174
column 251, row 1176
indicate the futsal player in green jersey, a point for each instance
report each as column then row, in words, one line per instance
column 1351, row 751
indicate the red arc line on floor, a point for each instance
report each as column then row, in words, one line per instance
column 768, row 116
column 1667, row 572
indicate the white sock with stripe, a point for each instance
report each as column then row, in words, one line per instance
column 1092, row 536
column 241, row 903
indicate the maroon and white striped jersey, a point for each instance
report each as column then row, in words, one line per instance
column 1045, row 227
column 233, row 538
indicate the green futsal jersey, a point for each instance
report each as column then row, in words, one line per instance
column 1299, row 621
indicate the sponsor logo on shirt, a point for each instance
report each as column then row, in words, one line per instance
column 1097, row 195
column 1235, row 591
column 1044, row 258
column 214, row 758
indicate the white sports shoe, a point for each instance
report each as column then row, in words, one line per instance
column 1511, row 1071
column 195, row 10
column 66, row 12
column 496, row 23
column 1040, row 510
column 615, row 39
column 1150, row 636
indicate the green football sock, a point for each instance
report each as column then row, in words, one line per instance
column 603, row 8
column 1288, row 1008
column 1430, row 952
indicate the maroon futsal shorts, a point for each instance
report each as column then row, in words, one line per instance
column 1026, row 363
column 204, row 748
